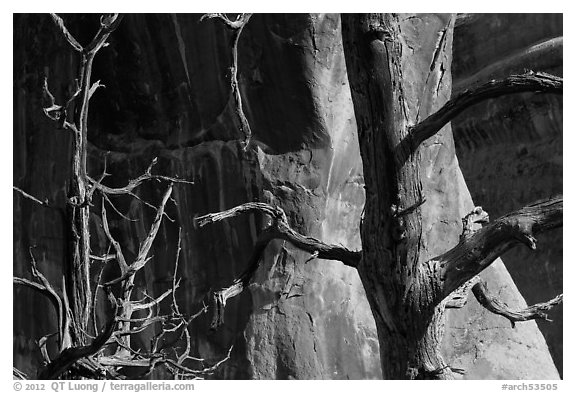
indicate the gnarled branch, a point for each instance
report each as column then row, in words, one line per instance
column 279, row 229
column 478, row 250
column 272, row 211
column 496, row 306
column 132, row 184
column 534, row 82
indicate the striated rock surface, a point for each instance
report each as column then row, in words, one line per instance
column 167, row 96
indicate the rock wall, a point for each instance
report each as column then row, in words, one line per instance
column 167, row 96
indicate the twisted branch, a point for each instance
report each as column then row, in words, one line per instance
column 496, row 306
column 278, row 229
column 236, row 27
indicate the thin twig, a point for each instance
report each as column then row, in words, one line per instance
column 142, row 257
column 32, row 198
column 236, row 27
column 132, row 184
column 119, row 255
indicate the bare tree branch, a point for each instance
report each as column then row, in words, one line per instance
column 279, row 229
column 459, row 297
column 175, row 283
column 32, row 198
column 534, row 82
column 125, row 217
column 42, row 345
column 106, row 258
column 17, row 374
column 69, row 356
column 153, row 302
column 542, row 56
column 74, row 357
column 44, row 287
column 220, row 297
column 132, row 184
column 496, row 306
column 108, row 23
column 241, row 20
column 71, row 40
column 236, row 26
column 477, row 251
column 119, row 255
column 273, row 212
column 95, row 87
column 187, row 372
column 142, row 257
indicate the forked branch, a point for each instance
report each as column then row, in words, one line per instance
column 64, row 30
column 496, row 306
column 530, row 82
column 278, row 229
column 134, row 183
column 142, row 257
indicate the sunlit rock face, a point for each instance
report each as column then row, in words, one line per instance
column 510, row 149
column 167, row 96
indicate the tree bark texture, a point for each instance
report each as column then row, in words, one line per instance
column 168, row 95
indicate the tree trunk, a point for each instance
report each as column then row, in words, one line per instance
column 399, row 72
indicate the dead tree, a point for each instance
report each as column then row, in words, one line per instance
column 85, row 349
column 401, row 104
